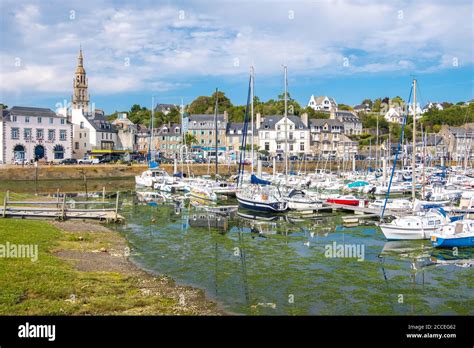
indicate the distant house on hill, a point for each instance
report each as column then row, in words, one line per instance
column 322, row 103
column 430, row 106
column 362, row 108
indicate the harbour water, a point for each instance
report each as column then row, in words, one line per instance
column 291, row 266
column 287, row 265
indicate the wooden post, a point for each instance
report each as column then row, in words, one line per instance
column 116, row 205
column 57, row 198
column 5, row 202
column 103, row 194
column 63, row 210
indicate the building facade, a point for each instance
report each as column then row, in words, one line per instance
column 126, row 133
column 168, row 139
column 329, row 141
column 459, row 142
column 352, row 123
column 34, row 134
column 203, row 128
column 279, row 134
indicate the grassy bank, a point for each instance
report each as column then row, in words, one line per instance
column 83, row 269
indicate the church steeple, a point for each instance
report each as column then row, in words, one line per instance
column 80, row 96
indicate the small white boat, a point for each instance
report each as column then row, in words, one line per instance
column 299, row 200
column 392, row 204
column 455, row 234
column 202, row 193
column 150, row 176
column 414, row 227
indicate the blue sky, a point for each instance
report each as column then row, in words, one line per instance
column 349, row 50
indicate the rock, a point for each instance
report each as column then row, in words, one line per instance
column 103, row 250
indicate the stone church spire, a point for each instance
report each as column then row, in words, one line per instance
column 80, row 96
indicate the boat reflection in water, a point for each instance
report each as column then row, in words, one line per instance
column 251, row 263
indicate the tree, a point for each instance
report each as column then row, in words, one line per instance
column 3, row 106
column 344, row 107
column 206, row 105
column 190, row 139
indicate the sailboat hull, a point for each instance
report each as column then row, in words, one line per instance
column 402, row 233
column 262, row 206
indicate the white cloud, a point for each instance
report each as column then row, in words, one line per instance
column 165, row 50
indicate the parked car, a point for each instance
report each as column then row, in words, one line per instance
column 267, row 164
column 68, row 161
column 87, row 160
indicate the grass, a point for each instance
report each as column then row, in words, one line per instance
column 52, row 286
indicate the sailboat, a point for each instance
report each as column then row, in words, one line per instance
column 418, row 225
column 266, row 198
column 454, row 234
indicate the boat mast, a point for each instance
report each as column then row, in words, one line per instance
column 413, row 163
column 183, row 137
column 251, row 112
column 152, row 151
column 377, row 144
column 286, row 127
column 215, row 122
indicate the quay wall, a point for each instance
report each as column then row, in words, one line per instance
column 115, row 171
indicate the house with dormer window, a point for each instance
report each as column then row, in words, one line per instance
column 322, row 103
column 278, row 134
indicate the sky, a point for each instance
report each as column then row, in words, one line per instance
column 173, row 50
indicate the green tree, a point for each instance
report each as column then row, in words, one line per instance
column 190, row 139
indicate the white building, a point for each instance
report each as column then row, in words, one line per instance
column 274, row 131
column 322, row 103
column 395, row 115
column 431, row 105
column 28, row 134
column 92, row 132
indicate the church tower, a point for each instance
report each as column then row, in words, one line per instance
column 80, row 97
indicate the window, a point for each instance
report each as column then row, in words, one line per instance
column 76, row 145
column 82, row 125
column 62, row 134
column 278, row 146
column 14, row 118
column 278, row 127
column 39, row 133
column 27, row 133
column 301, row 146
column 267, row 135
column 267, row 146
column 62, row 121
column 40, row 120
column 291, row 147
column 51, row 134
column 80, row 135
column 58, row 152
column 51, row 120
column 27, row 119
column 85, row 144
column 15, row 133
column 301, row 135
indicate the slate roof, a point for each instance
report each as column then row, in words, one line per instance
column 208, row 120
column 460, row 132
column 319, row 122
column 239, row 126
column 171, row 130
column 100, row 122
column 347, row 116
column 34, row 112
column 269, row 122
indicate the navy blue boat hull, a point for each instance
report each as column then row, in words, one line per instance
column 263, row 207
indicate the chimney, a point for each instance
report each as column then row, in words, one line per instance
column 258, row 120
column 304, row 119
column 332, row 114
